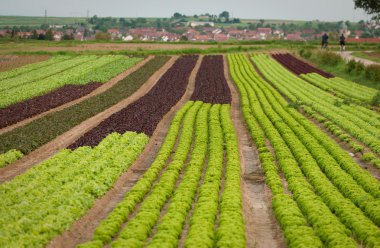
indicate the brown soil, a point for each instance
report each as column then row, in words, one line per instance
column 9, row 62
column 82, row 230
column 99, row 90
column 48, row 150
column 262, row 229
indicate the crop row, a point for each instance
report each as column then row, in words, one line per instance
column 31, row 67
column 47, row 199
column 341, row 87
column 29, row 137
column 210, row 83
column 358, row 121
column 205, row 128
column 301, row 152
column 39, row 74
column 9, row 157
column 97, row 68
column 344, row 137
column 37, row 105
column 144, row 114
column 298, row 66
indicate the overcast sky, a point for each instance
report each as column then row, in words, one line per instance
column 326, row 10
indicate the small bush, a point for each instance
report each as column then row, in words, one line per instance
column 305, row 53
column 360, row 67
column 376, row 99
column 329, row 58
column 351, row 66
column 368, row 157
column 372, row 72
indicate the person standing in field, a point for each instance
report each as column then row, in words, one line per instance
column 325, row 40
column 342, row 42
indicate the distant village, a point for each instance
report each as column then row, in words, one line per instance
column 203, row 28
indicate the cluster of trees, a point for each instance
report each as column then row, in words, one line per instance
column 223, row 17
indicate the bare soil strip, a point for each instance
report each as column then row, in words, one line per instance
column 262, row 229
column 82, row 230
column 9, row 62
column 99, row 90
column 48, row 150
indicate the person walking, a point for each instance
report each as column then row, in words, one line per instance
column 325, row 40
column 342, row 43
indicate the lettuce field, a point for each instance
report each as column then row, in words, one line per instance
column 236, row 150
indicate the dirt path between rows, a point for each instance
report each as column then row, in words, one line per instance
column 83, row 229
column 262, row 229
column 98, row 91
column 48, row 150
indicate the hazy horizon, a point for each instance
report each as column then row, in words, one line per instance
column 323, row 10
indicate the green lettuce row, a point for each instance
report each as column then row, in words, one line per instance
column 341, row 88
column 44, row 73
column 343, row 181
column 334, row 129
column 296, row 229
column 202, row 223
column 138, row 229
column 170, row 228
column 329, row 155
column 103, row 74
column 231, row 229
column 29, row 137
column 61, row 189
column 81, row 74
column 349, row 118
column 344, row 209
column 324, row 222
column 110, row 226
column 31, row 67
column 371, row 116
column 320, row 158
column 10, row 157
column 309, row 94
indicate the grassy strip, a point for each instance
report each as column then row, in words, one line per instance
column 29, row 137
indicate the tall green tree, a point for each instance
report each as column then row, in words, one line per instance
column 372, row 7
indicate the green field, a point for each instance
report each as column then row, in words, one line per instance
column 38, row 20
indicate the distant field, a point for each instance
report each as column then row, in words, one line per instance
column 37, row 20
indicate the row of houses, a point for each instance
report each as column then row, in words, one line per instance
column 77, row 34
column 204, row 34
